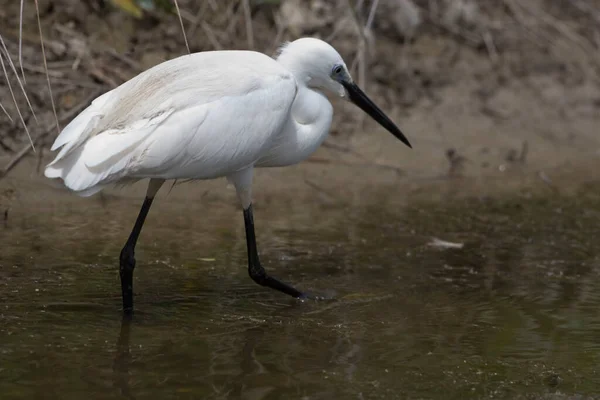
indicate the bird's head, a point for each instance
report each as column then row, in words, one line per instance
column 318, row 65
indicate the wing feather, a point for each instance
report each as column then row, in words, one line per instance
column 191, row 117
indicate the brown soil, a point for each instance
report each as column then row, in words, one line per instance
column 507, row 100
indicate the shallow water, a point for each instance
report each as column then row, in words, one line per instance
column 512, row 314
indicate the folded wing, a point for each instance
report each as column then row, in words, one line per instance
column 197, row 116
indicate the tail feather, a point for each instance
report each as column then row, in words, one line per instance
column 71, row 141
column 71, row 144
column 89, row 160
column 78, row 177
column 83, row 124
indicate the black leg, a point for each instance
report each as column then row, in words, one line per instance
column 127, row 258
column 256, row 271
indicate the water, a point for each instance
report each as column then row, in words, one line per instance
column 512, row 314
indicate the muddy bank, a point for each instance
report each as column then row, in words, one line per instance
column 524, row 104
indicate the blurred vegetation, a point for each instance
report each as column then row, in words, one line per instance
column 136, row 7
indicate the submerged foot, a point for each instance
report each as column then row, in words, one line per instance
column 330, row 296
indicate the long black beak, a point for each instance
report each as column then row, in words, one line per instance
column 358, row 97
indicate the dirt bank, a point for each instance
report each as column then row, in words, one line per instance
column 505, row 96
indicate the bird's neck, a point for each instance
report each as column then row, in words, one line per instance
column 304, row 132
column 313, row 112
column 310, row 105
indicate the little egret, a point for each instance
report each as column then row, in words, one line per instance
column 208, row 115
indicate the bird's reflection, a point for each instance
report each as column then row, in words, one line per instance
column 246, row 383
column 123, row 359
column 269, row 358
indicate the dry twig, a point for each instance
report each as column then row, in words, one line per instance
column 20, row 40
column 37, row 11
column 12, row 65
column 5, row 112
column 187, row 46
column 15, row 101
column 67, row 115
column 249, row 28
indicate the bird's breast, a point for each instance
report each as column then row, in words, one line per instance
column 306, row 128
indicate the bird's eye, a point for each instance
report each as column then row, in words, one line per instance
column 337, row 70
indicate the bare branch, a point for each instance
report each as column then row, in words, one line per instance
column 360, row 31
column 281, row 28
column 210, row 35
column 6, row 112
column 182, row 28
column 21, row 41
column 249, row 28
column 15, row 101
column 37, row 11
column 12, row 65
column 65, row 116
column 371, row 15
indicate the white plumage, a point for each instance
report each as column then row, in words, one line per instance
column 190, row 117
column 198, row 116
column 204, row 116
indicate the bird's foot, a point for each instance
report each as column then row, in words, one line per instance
column 259, row 275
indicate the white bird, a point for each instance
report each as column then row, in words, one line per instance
column 208, row 115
